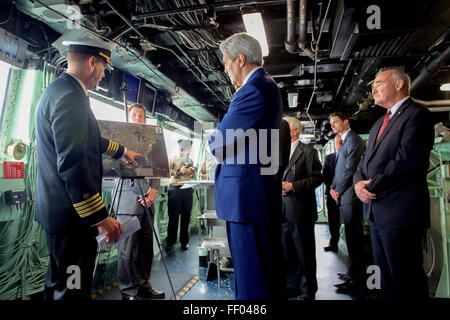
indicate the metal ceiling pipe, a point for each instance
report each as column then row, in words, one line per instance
column 303, row 21
column 290, row 43
column 338, row 91
column 440, row 109
column 430, row 69
column 316, row 59
column 302, row 29
column 434, row 104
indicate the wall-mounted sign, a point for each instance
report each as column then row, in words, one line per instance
column 13, row 170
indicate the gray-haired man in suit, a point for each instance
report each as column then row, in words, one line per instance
column 300, row 179
column 391, row 181
column 136, row 251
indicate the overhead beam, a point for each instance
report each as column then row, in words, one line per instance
column 217, row 5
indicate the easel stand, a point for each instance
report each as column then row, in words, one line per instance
column 114, row 215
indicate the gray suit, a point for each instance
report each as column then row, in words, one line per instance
column 135, row 253
column 347, row 159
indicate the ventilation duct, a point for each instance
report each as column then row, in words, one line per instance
column 430, row 69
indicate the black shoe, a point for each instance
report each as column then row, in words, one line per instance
column 307, row 296
column 292, row 292
column 348, row 287
column 344, row 276
column 128, row 297
column 331, row 247
column 150, row 293
column 226, row 262
column 185, row 247
column 168, row 248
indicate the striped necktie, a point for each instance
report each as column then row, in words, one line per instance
column 385, row 122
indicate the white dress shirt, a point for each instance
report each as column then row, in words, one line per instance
column 80, row 82
column 344, row 135
column 293, row 146
column 396, row 106
column 249, row 75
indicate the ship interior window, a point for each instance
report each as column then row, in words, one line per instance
column 4, row 77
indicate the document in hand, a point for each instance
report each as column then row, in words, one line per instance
column 128, row 228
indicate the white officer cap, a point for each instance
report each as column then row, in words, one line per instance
column 91, row 44
column 184, row 143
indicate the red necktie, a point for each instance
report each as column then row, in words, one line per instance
column 339, row 143
column 385, row 122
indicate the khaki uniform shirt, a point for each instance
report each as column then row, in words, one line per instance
column 175, row 164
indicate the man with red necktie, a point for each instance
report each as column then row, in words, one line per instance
column 391, row 182
column 350, row 207
column 334, row 220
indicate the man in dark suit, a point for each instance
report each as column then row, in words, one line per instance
column 334, row 220
column 301, row 177
column 391, row 182
column 285, row 150
column 341, row 190
column 244, row 181
column 135, row 252
column 69, row 147
column 274, row 230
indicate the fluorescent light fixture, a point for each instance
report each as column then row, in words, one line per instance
column 255, row 27
column 292, row 99
column 445, row 87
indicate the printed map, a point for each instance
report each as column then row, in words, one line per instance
column 145, row 139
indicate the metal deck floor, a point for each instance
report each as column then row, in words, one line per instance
column 328, row 264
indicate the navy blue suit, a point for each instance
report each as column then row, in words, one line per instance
column 397, row 164
column 69, row 159
column 244, row 197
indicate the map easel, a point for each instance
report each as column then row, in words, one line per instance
column 148, row 140
column 113, row 214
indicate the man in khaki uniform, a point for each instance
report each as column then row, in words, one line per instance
column 180, row 200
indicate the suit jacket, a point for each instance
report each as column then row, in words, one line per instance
column 304, row 171
column 69, row 159
column 284, row 152
column 130, row 194
column 242, row 193
column 347, row 159
column 329, row 165
column 285, row 147
column 397, row 165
